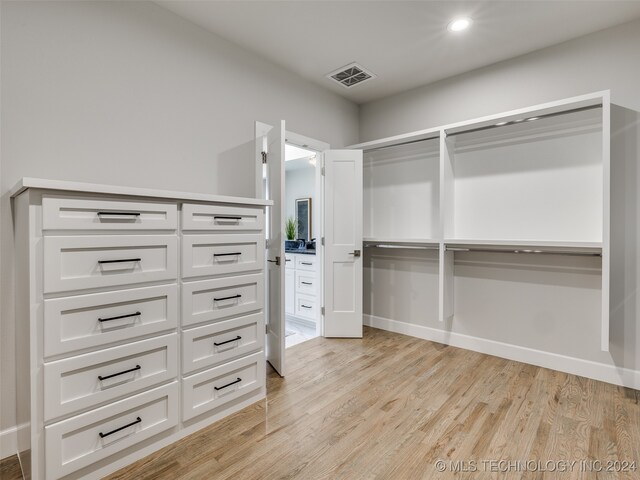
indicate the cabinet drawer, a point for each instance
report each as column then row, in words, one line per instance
column 221, row 218
column 306, row 282
column 221, row 385
column 75, row 263
column 306, row 307
column 306, row 262
column 289, row 260
column 89, row 321
column 209, row 300
column 86, row 380
column 204, row 255
column 222, row 341
column 77, row 442
column 64, row 213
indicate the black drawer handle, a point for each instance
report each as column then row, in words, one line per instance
column 228, row 341
column 238, row 380
column 106, row 377
column 288, row 260
column 120, row 261
column 306, row 263
column 102, row 435
column 226, row 298
column 226, row 254
column 119, row 317
column 120, row 214
column 227, row 217
column 305, row 306
column 306, row 283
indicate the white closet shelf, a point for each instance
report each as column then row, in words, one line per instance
column 527, row 246
column 429, row 242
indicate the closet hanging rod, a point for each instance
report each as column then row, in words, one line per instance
column 397, row 245
column 524, row 119
column 409, row 142
column 526, row 251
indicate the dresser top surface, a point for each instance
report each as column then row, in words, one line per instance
column 64, row 186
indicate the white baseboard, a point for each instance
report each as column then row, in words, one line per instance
column 8, row 442
column 584, row 368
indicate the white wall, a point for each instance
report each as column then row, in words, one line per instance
column 607, row 59
column 550, row 307
column 128, row 93
column 300, row 183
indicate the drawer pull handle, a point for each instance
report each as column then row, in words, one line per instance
column 306, row 263
column 124, row 260
column 119, row 214
column 288, row 260
column 138, row 420
column 135, row 314
column 226, row 254
column 306, row 283
column 305, row 306
column 226, row 217
column 238, row 380
column 227, row 341
column 226, row 298
column 106, row 377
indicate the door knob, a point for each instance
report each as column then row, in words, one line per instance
column 355, row 253
column 276, row 261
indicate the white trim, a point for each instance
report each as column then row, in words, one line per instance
column 576, row 366
column 8, row 442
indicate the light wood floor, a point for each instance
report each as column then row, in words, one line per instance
column 389, row 406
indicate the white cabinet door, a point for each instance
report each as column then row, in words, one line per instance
column 343, row 243
column 272, row 144
column 290, row 291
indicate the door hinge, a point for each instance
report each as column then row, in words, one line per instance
column 322, row 241
column 266, row 328
column 322, row 311
column 322, row 171
column 264, row 157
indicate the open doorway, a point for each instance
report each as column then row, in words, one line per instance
column 302, row 244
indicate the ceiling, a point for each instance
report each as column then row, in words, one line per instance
column 405, row 43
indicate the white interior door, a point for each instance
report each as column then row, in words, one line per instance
column 272, row 142
column 343, row 243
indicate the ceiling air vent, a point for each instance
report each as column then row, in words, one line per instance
column 352, row 74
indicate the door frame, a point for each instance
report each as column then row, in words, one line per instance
column 318, row 206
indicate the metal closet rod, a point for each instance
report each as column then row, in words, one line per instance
column 523, row 120
column 397, row 245
column 410, row 142
column 522, row 251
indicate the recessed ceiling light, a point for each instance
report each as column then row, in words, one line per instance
column 532, row 119
column 459, row 24
column 499, row 124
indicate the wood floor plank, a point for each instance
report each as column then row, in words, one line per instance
column 389, row 406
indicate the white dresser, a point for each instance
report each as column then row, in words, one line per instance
column 139, row 320
column 301, row 285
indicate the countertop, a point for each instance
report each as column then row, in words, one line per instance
column 299, row 251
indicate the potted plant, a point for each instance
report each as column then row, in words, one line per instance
column 290, row 228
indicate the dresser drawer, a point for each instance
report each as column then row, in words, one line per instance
column 86, row 380
column 222, row 341
column 204, row 255
column 89, row 321
column 222, row 385
column 306, row 307
column 64, row 213
column 221, row 218
column 306, row 262
column 75, row 263
column 85, row 439
column 210, row 300
column 306, row 282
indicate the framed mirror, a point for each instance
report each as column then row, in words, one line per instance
column 303, row 218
